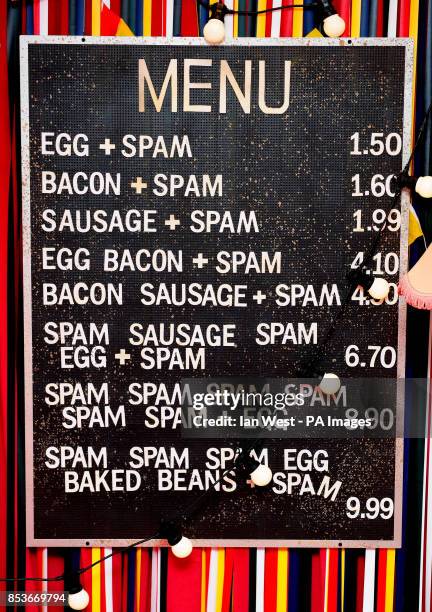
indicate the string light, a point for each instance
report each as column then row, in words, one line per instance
column 421, row 184
column 377, row 286
column 214, row 31
column 333, row 24
column 330, row 383
column 259, row 473
column 181, row 546
column 78, row 598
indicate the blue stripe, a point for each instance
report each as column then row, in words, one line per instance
column 139, row 17
column 364, row 19
column 203, row 14
column 177, row 18
column 29, row 18
column 308, row 18
column 373, row 17
column 79, row 17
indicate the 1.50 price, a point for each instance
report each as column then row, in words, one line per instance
column 378, row 144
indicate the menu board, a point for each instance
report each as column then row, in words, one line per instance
column 190, row 217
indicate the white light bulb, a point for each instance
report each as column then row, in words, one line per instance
column 183, row 548
column 379, row 289
column 78, row 601
column 261, row 476
column 334, row 26
column 424, row 186
column 214, row 31
column 330, row 383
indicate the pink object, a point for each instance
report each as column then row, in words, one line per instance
column 416, row 286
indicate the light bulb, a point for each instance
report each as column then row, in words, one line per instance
column 261, row 476
column 330, row 383
column 379, row 289
column 334, row 26
column 78, row 600
column 182, row 548
column 214, row 31
column 424, row 186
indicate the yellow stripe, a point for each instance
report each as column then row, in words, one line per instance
column 235, row 19
column 123, row 29
column 414, row 228
column 355, row 18
column 147, row 16
column 96, row 17
column 297, row 30
column 261, row 19
column 390, row 579
column 343, row 580
column 220, row 578
column 315, row 33
column 138, row 580
column 96, row 581
column 282, row 580
column 203, row 581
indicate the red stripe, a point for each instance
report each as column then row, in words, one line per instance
column 270, row 579
column 64, row 17
column 404, row 17
column 240, row 579
column 268, row 19
column 333, row 575
column 5, row 161
column 184, row 582
column 316, row 584
column 102, row 582
column 54, row 17
column 88, row 17
column 426, row 480
column 23, row 18
column 381, row 582
column 286, row 26
column 32, row 570
column 124, row 590
column 227, row 581
column 158, row 17
column 36, row 16
column 109, row 22
column 145, row 580
column 55, row 568
column 86, row 578
column 115, row 6
column 189, row 18
column 360, row 583
column 343, row 7
column 380, row 18
column 117, row 581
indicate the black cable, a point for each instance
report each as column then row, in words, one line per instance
column 181, row 514
column 228, row 11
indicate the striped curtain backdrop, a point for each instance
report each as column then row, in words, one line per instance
column 211, row 580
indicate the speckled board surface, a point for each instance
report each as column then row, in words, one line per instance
column 294, row 171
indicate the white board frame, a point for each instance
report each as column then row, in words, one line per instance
column 25, row 42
